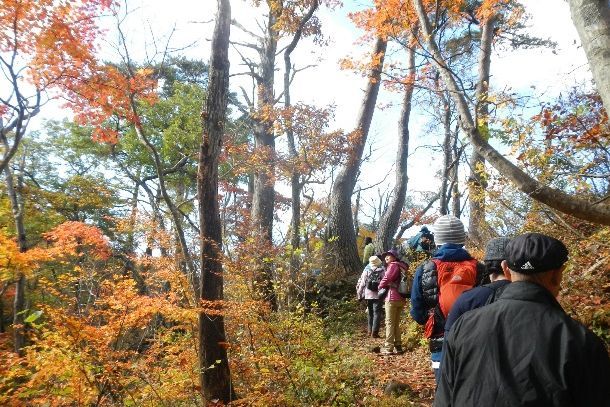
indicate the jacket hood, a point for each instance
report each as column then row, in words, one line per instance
column 400, row 264
column 452, row 252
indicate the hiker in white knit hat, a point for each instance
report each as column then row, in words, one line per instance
column 449, row 272
column 367, row 288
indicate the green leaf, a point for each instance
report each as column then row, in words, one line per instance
column 33, row 317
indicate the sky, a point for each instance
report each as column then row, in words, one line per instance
column 186, row 25
column 546, row 71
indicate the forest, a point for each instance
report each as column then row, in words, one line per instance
column 185, row 231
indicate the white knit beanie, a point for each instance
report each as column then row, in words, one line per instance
column 375, row 261
column 449, row 229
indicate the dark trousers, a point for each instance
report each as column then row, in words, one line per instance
column 375, row 309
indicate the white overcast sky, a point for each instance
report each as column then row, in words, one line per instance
column 530, row 72
column 545, row 70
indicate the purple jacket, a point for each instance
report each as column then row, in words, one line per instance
column 391, row 279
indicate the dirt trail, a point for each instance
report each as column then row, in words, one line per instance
column 411, row 367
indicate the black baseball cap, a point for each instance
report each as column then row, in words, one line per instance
column 532, row 253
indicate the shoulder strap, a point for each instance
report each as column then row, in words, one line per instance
column 429, row 284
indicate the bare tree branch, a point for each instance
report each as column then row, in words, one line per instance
column 241, row 27
column 417, row 217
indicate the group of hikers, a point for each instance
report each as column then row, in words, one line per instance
column 497, row 335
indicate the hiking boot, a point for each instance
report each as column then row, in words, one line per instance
column 399, row 349
column 375, row 335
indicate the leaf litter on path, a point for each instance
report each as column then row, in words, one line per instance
column 411, row 367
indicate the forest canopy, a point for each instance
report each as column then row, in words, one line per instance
column 183, row 223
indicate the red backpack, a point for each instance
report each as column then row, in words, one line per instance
column 453, row 278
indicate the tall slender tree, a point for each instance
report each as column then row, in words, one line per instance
column 213, row 361
column 283, row 18
column 586, row 209
column 592, row 21
column 478, row 182
column 14, row 190
column 456, row 153
column 41, row 43
column 341, row 248
column 296, row 185
column 446, row 114
column 263, row 194
column 388, row 224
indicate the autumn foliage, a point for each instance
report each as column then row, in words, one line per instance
column 54, row 40
column 13, row 260
column 108, row 203
column 94, row 339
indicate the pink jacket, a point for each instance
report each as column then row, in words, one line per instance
column 391, row 279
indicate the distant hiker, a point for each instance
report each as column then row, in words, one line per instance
column 533, row 353
column 423, row 241
column 396, row 271
column 438, row 282
column 488, row 293
column 367, row 288
column 369, row 250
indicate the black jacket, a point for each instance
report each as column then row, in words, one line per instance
column 523, row 350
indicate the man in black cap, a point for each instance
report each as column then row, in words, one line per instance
column 524, row 350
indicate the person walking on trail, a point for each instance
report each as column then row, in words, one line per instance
column 484, row 294
column 439, row 281
column 369, row 250
column 523, row 349
column 366, row 289
column 423, row 241
column 394, row 301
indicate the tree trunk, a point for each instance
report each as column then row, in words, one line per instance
column 213, row 361
column 572, row 205
column 129, row 249
column 341, row 248
column 18, row 314
column 133, row 214
column 180, row 256
column 263, row 196
column 447, row 152
column 19, row 301
column 355, row 213
column 478, row 178
column 176, row 215
column 388, row 223
column 592, row 21
column 26, row 109
column 295, row 179
column 155, row 201
column 456, row 203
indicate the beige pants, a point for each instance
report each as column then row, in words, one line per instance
column 393, row 311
